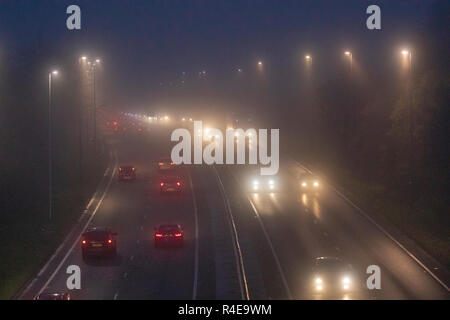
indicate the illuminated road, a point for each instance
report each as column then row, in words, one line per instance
column 133, row 209
column 278, row 234
column 297, row 227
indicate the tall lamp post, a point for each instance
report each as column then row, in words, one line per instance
column 50, row 153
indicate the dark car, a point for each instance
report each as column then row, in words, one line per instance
column 169, row 234
column 170, row 184
column 53, row 296
column 165, row 164
column 331, row 275
column 99, row 241
column 127, row 172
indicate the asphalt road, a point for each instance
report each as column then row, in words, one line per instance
column 299, row 226
column 278, row 234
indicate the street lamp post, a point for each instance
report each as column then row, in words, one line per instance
column 50, row 176
column 350, row 56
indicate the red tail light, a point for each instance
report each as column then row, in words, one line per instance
column 161, row 184
column 120, row 169
column 83, row 242
column 178, row 184
column 160, row 163
column 132, row 169
column 158, row 235
column 177, row 234
column 171, row 163
column 109, row 241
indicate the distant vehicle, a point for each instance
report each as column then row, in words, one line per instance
column 98, row 241
column 127, row 172
column 165, row 164
column 331, row 274
column 260, row 183
column 309, row 183
column 169, row 234
column 170, row 184
column 53, row 296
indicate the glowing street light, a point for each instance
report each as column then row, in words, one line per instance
column 308, row 58
column 350, row 55
column 407, row 54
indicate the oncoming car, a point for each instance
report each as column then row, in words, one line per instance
column 263, row 184
column 332, row 275
column 309, row 183
column 169, row 234
column 98, row 241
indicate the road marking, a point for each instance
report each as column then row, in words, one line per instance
column 131, row 258
column 236, row 246
column 137, row 241
column 125, row 274
column 364, row 214
column 116, row 295
column 272, row 249
column 82, row 231
column 194, row 202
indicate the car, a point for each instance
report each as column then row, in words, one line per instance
column 53, row 296
column 309, row 183
column 99, row 241
column 127, row 172
column 260, row 183
column 169, row 235
column 165, row 164
column 170, row 184
column 331, row 275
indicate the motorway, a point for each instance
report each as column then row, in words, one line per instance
column 268, row 255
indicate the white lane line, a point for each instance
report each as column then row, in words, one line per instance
column 387, row 234
column 137, row 241
column 236, row 246
column 277, row 261
column 131, row 258
column 194, row 202
column 116, row 295
column 84, row 228
column 125, row 275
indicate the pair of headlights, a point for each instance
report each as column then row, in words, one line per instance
column 315, row 184
column 345, row 281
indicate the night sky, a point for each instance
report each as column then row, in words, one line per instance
column 143, row 43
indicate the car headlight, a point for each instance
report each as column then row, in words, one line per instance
column 304, row 184
column 255, row 182
column 318, row 281
column 346, row 280
column 315, row 184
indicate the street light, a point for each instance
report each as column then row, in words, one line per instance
column 308, row 58
column 350, row 55
column 50, row 176
column 407, row 54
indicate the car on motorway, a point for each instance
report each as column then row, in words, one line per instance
column 165, row 164
column 170, row 184
column 308, row 182
column 98, row 241
column 332, row 275
column 169, row 235
column 127, row 172
column 259, row 183
column 53, row 296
